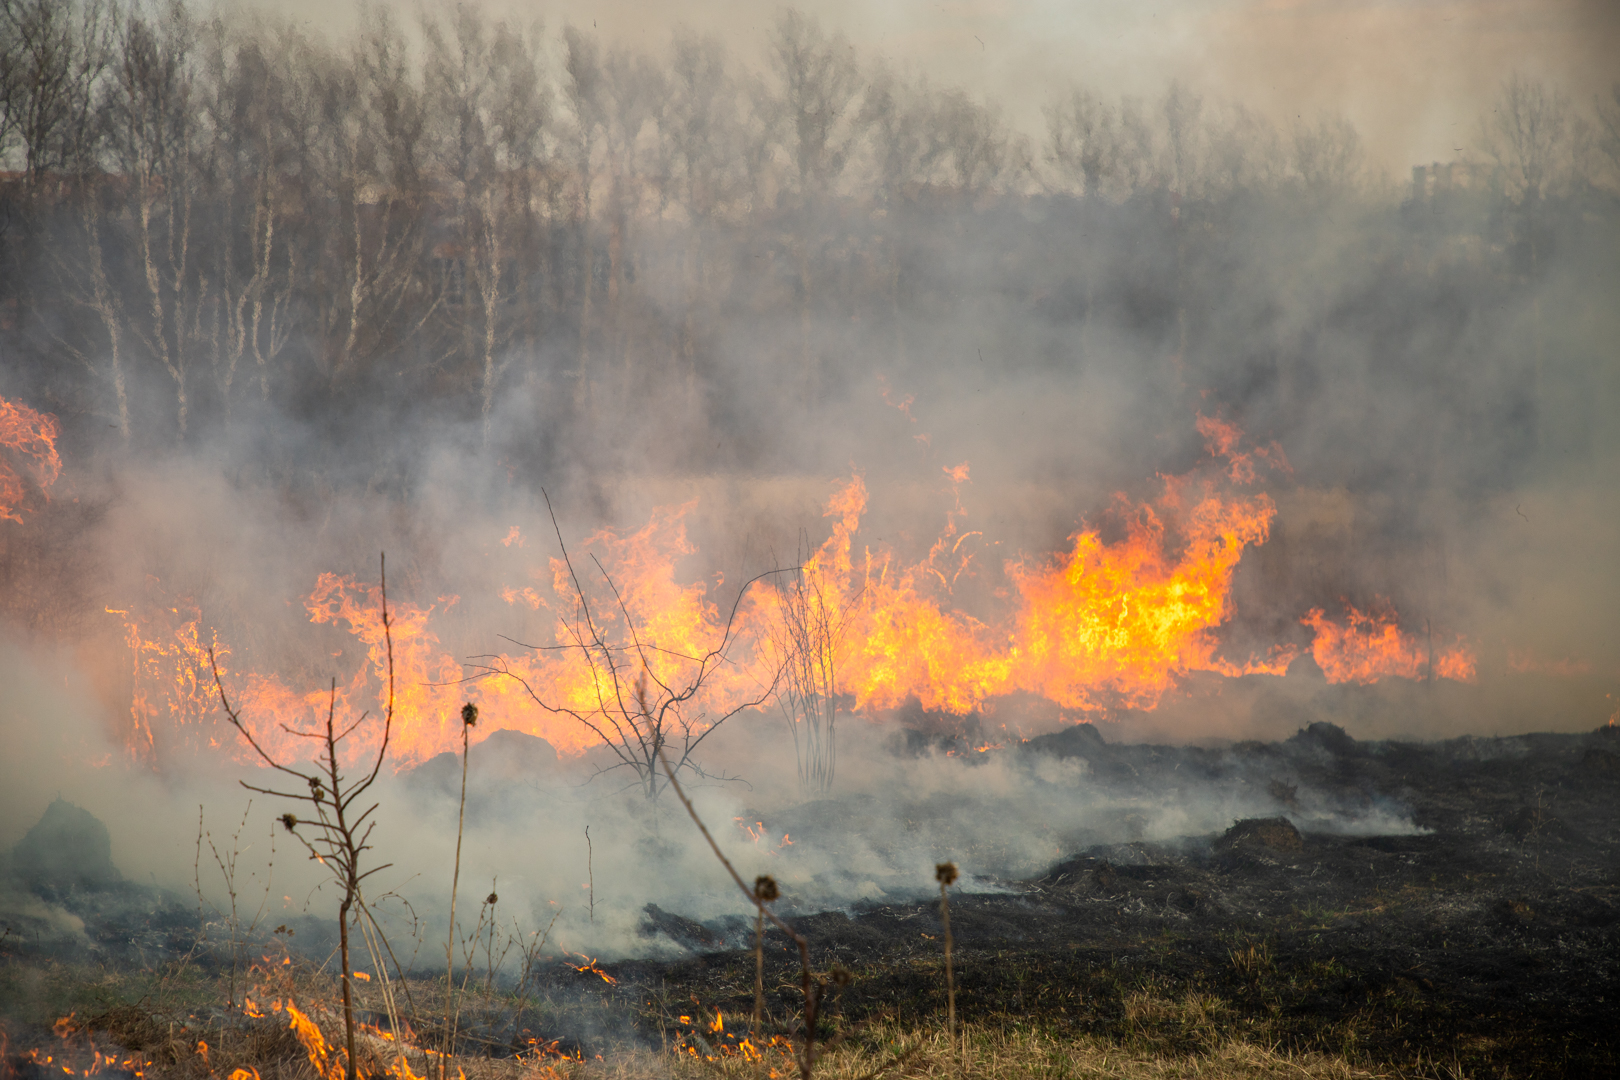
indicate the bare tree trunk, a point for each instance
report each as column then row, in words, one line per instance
column 582, row 392
column 357, row 290
column 490, row 291
column 102, row 301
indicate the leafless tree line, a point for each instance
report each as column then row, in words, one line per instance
column 245, row 210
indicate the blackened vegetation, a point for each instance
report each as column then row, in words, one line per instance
column 1491, row 939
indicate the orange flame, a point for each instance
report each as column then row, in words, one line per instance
column 1109, row 624
column 28, row 442
column 171, row 683
column 1370, row 646
column 77, row 1055
column 589, row 967
column 328, row 1065
column 1119, row 619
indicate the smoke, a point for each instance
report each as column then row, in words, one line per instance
column 1436, row 367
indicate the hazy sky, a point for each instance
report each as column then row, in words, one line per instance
column 1414, row 75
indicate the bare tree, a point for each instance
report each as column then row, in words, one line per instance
column 252, row 165
column 1328, row 157
column 482, row 88
column 902, row 138
column 1244, row 152
column 818, row 81
column 976, row 145
column 585, row 94
column 1137, row 154
column 53, row 55
column 341, row 830
column 702, row 135
column 1082, row 142
column 647, row 698
column 1100, row 149
column 634, row 93
column 368, row 165
column 699, row 124
column 1181, row 109
column 1606, row 137
column 153, row 137
column 1528, row 136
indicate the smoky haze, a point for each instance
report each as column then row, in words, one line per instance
column 300, row 296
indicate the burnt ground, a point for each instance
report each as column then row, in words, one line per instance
column 1485, row 940
column 1489, row 941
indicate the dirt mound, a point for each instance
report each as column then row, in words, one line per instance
column 1272, row 834
column 69, row 848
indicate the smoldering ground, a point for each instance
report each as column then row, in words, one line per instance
column 903, row 803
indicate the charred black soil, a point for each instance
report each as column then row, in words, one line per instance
column 1489, row 940
column 1480, row 938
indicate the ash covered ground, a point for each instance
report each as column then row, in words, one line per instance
column 1396, row 902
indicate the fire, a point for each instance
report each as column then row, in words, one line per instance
column 1370, row 646
column 77, row 1054
column 589, row 967
column 171, row 681
column 710, row 1041
column 1109, row 624
column 330, row 1062
column 27, row 451
column 1120, row 618
column 328, row 1065
column 1119, row 623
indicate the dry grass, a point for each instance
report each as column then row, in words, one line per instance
column 895, row 1054
column 269, row 1050
column 178, row 1027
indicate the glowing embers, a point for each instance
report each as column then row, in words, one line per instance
column 1368, row 646
column 710, row 1040
column 77, row 1052
column 27, row 453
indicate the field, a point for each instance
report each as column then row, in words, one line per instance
column 1480, row 943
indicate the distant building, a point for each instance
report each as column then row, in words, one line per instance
column 1437, row 180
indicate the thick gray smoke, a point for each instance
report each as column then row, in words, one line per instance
column 350, row 303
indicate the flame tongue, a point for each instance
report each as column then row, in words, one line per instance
column 1117, row 621
column 1115, row 624
column 28, row 444
column 1370, row 646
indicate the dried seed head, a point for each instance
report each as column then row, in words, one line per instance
column 469, row 714
column 289, row 821
column 945, row 873
column 842, row 975
column 490, row 899
column 765, row 889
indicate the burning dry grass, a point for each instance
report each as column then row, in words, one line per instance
column 174, row 1025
